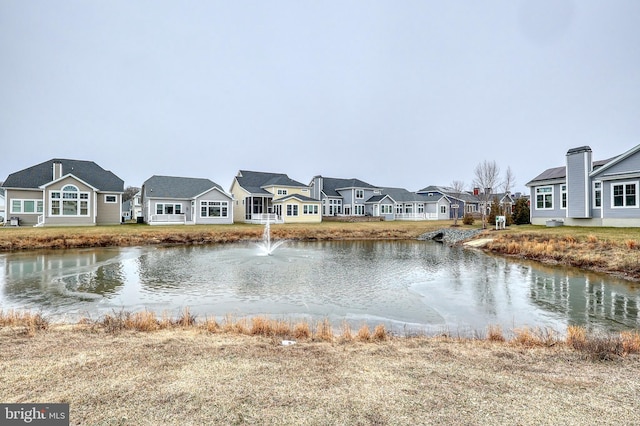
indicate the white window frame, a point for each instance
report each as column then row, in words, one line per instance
column 38, row 206
column 358, row 210
column 106, row 199
column 310, row 209
column 223, row 207
column 443, row 209
column 67, row 195
column 551, row 193
column 292, row 210
column 597, row 189
column 624, row 195
column 282, row 192
column 386, row 209
column 563, row 196
column 176, row 207
column 359, row 194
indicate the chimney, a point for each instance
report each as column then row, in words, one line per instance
column 578, row 193
column 57, row 169
column 476, row 191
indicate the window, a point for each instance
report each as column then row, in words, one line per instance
column 292, row 210
column 471, row 208
column 624, row 195
column 597, row 194
column 163, row 208
column 310, row 209
column 563, row 196
column 358, row 210
column 26, row 206
column 420, row 208
column 386, row 209
column 69, row 202
column 282, row 192
column 360, row 193
column 214, row 209
column 335, row 207
column 110, row 199
column 544, row 198
column 443, row 209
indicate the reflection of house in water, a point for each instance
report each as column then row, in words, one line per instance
column 587, row 299
column 49, row 278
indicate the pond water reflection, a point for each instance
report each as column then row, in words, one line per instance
column 411, row 285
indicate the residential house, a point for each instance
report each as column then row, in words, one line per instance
column 401, row 204
column 181, row 200
column 126, row 211
column 343, row 197
column 584, row 192
column 132, row 209
column 64, row 192
column 471, row 202
column 462, row 202
column 2, row 204
column 261, row 196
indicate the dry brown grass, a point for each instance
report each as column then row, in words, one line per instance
column 26, row 322
column 12, row 239
column 494, row 333
column 186, row 376
column 616, row 254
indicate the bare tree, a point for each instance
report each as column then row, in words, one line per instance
column 509, row 180
column 458, row 187
column 129, row 192
column 508, row 183
column 487, row 179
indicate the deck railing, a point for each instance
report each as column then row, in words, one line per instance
column 158, row 219
column 416, row 216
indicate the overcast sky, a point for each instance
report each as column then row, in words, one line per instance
column 395, row 93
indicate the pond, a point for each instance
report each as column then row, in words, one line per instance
column 406, row 285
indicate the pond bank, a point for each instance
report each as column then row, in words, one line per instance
column 185, row 376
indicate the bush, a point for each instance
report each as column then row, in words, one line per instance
column 468, row 219
column 520, row 214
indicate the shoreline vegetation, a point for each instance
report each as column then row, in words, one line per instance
column 614, row 251
column 144, row 368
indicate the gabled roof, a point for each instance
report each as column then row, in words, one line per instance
column 401, row 195
column 178, row 187
column 299, row 197
column 378, row 198
column 36, row 176
column 464, row 196
column 612, row 162
column 255, row 182
column 330, row 186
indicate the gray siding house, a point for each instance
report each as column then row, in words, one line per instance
column 62, row 192
column 589, row 193
column 467, row 202
column 343, row 197
column 170, row 200
column 401, row 204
